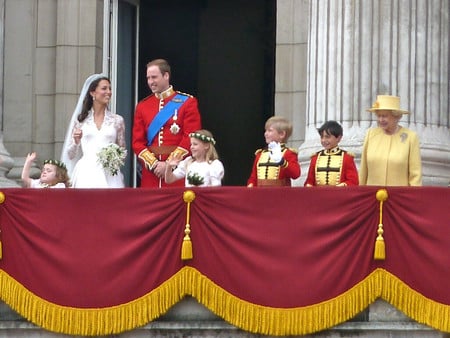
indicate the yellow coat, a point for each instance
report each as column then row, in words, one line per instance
column 391, row 160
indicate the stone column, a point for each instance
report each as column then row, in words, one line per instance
column 79, row 54
column 358, row 49
column 6, row 162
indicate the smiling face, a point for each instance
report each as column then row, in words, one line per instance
column 48, row 174
column 387, row 121
column 329, row 141
column 157, row 82
column 102, row 93
column 199, row 149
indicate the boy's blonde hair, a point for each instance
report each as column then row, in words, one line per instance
column 280, row 124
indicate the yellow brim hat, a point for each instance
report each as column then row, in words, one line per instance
column 387, row 102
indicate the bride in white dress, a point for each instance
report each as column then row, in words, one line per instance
column 92, row 127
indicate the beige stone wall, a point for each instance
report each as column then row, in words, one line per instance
column 18, row 109
column 51, row 46
column 291, row 65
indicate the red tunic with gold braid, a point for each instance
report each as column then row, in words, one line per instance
column 332, row 167
column 268, row 173
column 173, row 135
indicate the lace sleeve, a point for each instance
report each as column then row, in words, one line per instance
column 74, row 149
column 120, row 127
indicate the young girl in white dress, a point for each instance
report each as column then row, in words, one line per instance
column 53, row 174
column 203, row 168
column 93, row 127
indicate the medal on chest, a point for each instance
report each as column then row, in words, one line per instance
column 175, row 128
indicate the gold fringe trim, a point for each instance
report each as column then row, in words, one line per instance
column 415, row 305
column 310, row 319
column 90, row 321
column 247, row 316
column 284, row 321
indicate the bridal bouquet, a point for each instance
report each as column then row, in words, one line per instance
column 112, row 157
column 195, row 179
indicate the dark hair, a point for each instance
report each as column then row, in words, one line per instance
column 332, row 128
column 162, row 64
column 88, row 101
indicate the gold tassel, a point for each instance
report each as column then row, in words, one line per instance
column 186, row 247
column 380, row 249
column 380, row 246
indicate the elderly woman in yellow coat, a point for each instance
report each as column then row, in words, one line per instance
column 391, row 153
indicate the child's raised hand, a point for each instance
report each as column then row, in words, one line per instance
column 30, row 157
column 174, row 159
column 275, row 151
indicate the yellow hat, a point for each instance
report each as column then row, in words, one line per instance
column 387, row 102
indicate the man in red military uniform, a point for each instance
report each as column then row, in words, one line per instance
column 162, row 124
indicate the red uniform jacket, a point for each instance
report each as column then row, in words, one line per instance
column 264, row 170
column 187, row 119
column 336, row 167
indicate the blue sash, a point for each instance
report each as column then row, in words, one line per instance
column 164, row 115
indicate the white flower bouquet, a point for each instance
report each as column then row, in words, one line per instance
column 112, row 157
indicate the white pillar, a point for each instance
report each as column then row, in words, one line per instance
column 358, row 49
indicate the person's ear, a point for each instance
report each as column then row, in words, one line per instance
column 339, row 138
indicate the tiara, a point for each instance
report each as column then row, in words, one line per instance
column 59, row 164
column 203, row 138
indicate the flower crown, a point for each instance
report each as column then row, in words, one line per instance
column 203, row 138
column 57, row 163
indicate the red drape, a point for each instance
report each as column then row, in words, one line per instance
column 283, row 248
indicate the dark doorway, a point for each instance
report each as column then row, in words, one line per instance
column 222, row 52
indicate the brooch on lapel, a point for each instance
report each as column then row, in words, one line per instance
column 403, row 137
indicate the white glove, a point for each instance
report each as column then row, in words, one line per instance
column 275, row 152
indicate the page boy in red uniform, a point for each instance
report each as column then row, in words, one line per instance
column 276, row 164
column 332, row 165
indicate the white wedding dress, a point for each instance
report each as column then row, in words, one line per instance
column 88, row 173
